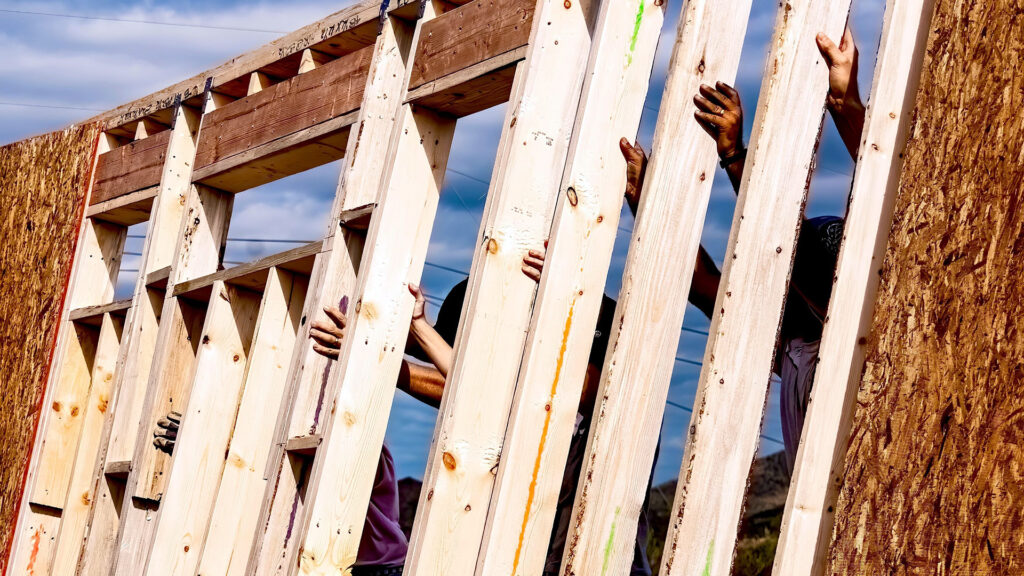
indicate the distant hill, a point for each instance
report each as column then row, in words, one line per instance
column 759, row 532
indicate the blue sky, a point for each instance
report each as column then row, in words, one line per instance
column 68, row 69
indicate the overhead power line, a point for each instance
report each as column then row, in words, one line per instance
column 138, row 21
column 51, row 106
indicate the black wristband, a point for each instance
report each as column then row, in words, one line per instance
column 733, row 158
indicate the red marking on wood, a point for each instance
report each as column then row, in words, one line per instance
column 31, row 568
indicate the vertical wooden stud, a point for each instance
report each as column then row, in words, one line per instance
column 807, row 522
column 731, row 396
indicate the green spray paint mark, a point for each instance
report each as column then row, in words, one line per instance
column 636, row 31
column 611, row 542
column 707, row 563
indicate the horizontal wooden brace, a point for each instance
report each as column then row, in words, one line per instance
column 303, row 445
column 158, row 278
column 253, row 275
column 297, row 152
column 118, row 468
column 473, row 89
column 357, row 218
column 126, row 210
column 281, row 109
column 94, row 314
column 131, row 167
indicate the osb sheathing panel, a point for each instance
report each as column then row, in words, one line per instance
column 934, row 478
column 43, row 184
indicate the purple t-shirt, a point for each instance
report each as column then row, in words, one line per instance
column 383, row 543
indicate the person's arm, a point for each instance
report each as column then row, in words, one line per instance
column 843, row 100
column 434, row 346
column 704, row 287
column 425, row 383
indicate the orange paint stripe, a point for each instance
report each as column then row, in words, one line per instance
column 543, row 438
column 31, row 569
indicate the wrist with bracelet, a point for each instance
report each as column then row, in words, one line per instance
column 730, row 158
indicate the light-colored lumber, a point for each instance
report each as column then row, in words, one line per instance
column 66, row 409
column 652, row 301
column 118, row 468
column 94, row 314
column 554, row 364
column 138, row 344
column 205, row 433
column 305, row 445
column 807, row 521
column 200, row 240
column 75, row 515
column 311, row 60
column 331, row 283
column 34, row 541
column 125, row 210
column 341, row 479
column 232, row 523
column 258, row 82
column 499, row 299
column 252, row 275
column 98, row 262
column 733, row 387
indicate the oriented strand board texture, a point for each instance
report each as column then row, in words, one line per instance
column 934, row 479
column 43, row 184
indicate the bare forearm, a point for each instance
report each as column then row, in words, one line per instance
column 735, row 172
column 704, row 287
column 849, row 122
column 423, row 383
column 435, row 347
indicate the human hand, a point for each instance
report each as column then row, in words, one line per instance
column 533, row 263
column 419, row 307
column 720, row 114
column 166, row 433
column 636, row 167
column 842, row 61
column 327, row 336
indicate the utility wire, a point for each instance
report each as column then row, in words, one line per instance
column 138, row 21
column 50, row 106
column 690, row 410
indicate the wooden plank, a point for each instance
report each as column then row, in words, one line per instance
column 125, row 210
column 297, row 152
column 232, row 524
column 338, row 492
column 473, row 89
column 94, row 314
column 931, row 482
column 303, row 445
column 118, row 469
column 297, row 103
column 96, row 274
column 252, row 275
column 808, row 520
column 201, row 451
column 75, row 515
column 344, row 31
column 638, row 366
column 134, row 166
column 733, row 388
column 554, row 364
column 469, row 34
column 357, row 218
column 66, row 411
column 138, row 346
column 332, row 282
column 34, row 541
column 499, row 299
